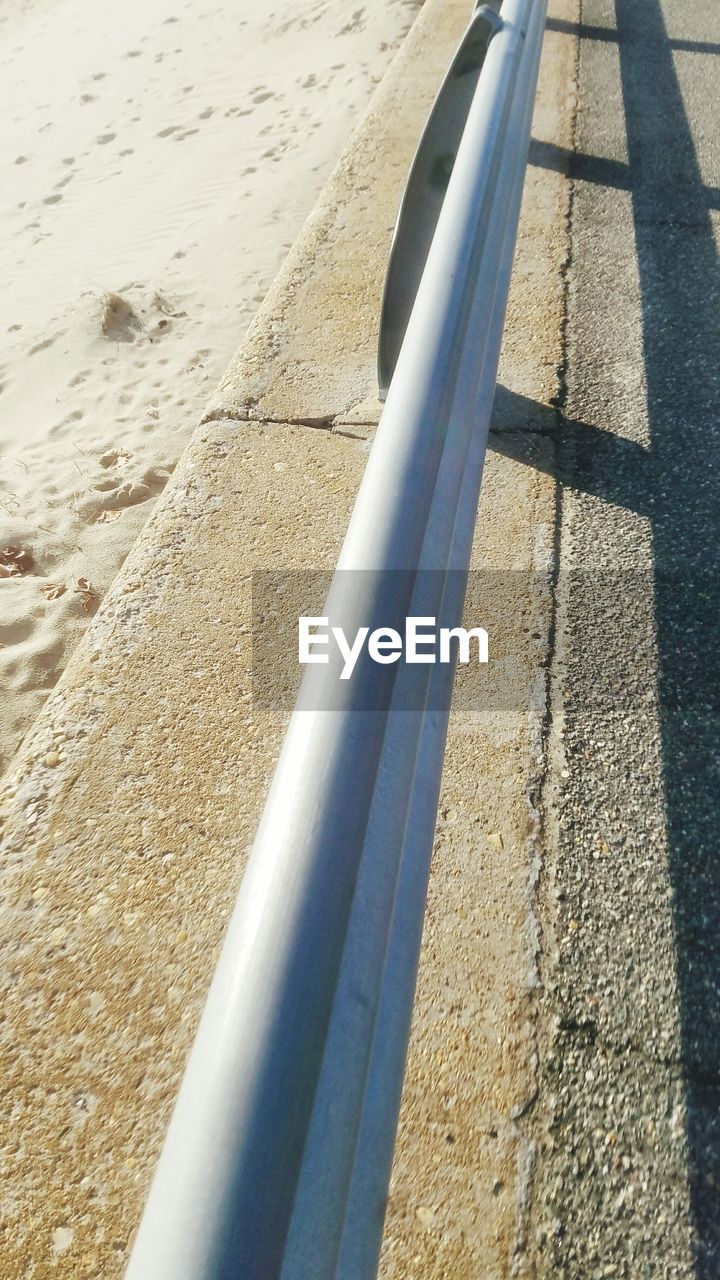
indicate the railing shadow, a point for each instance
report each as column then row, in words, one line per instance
column 680, row 287
column 675, row 484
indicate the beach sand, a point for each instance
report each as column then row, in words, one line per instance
column 158, row 160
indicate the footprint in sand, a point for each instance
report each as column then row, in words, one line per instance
column 42, row 346
column 355, row 24
column 118, row 320
column 130, row 493
column 114, row 458
column 19, row 631
column 157, row 477
column 123, row 495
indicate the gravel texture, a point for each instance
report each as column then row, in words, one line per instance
column 627, row 1172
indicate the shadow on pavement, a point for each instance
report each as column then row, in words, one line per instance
column 680, row 285
column 675, row 483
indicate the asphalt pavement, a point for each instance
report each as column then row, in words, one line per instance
column 627, row 1121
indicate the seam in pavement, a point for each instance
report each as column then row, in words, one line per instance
column 539, row 788
column 536, row 797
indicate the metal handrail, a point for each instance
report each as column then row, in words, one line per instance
column 278, row 1154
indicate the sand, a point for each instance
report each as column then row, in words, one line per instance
column 159, row 158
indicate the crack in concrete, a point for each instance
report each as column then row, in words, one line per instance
column 328, row 423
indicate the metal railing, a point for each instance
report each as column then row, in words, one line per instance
column 278, row 1154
